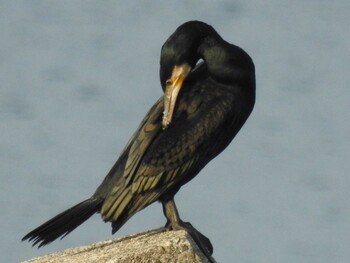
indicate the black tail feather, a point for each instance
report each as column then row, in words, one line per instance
column 65, row 222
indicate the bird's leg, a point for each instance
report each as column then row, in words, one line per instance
column 175, row 223
column 172, row 215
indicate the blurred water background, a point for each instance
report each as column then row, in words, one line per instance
column 78, row 76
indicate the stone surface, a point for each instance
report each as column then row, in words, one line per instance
column 156, row 246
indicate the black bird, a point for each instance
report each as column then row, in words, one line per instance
column 203, row 108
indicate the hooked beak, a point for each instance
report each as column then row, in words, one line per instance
column 173, row 86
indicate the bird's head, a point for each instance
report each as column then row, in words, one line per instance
column 178, row 56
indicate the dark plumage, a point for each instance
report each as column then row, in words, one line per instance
column 167, row 151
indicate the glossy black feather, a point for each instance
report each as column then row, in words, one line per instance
column 63, row 223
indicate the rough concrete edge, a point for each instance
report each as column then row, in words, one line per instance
column 155, row 245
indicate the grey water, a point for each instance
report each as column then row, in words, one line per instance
column 78, row 76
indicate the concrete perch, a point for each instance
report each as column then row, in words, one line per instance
column 156, row 246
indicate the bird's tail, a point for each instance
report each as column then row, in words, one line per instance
column 63, row 223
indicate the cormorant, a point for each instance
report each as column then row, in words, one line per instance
column 203, row 108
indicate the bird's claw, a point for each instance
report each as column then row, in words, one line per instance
column 201, row 240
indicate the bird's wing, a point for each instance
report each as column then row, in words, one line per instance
column 184, row 148
column 142, row 139
column 157, row 160
column 115, row 188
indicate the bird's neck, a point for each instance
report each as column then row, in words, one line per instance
column 226, row 63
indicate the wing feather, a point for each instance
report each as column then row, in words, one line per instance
column 179, row 153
